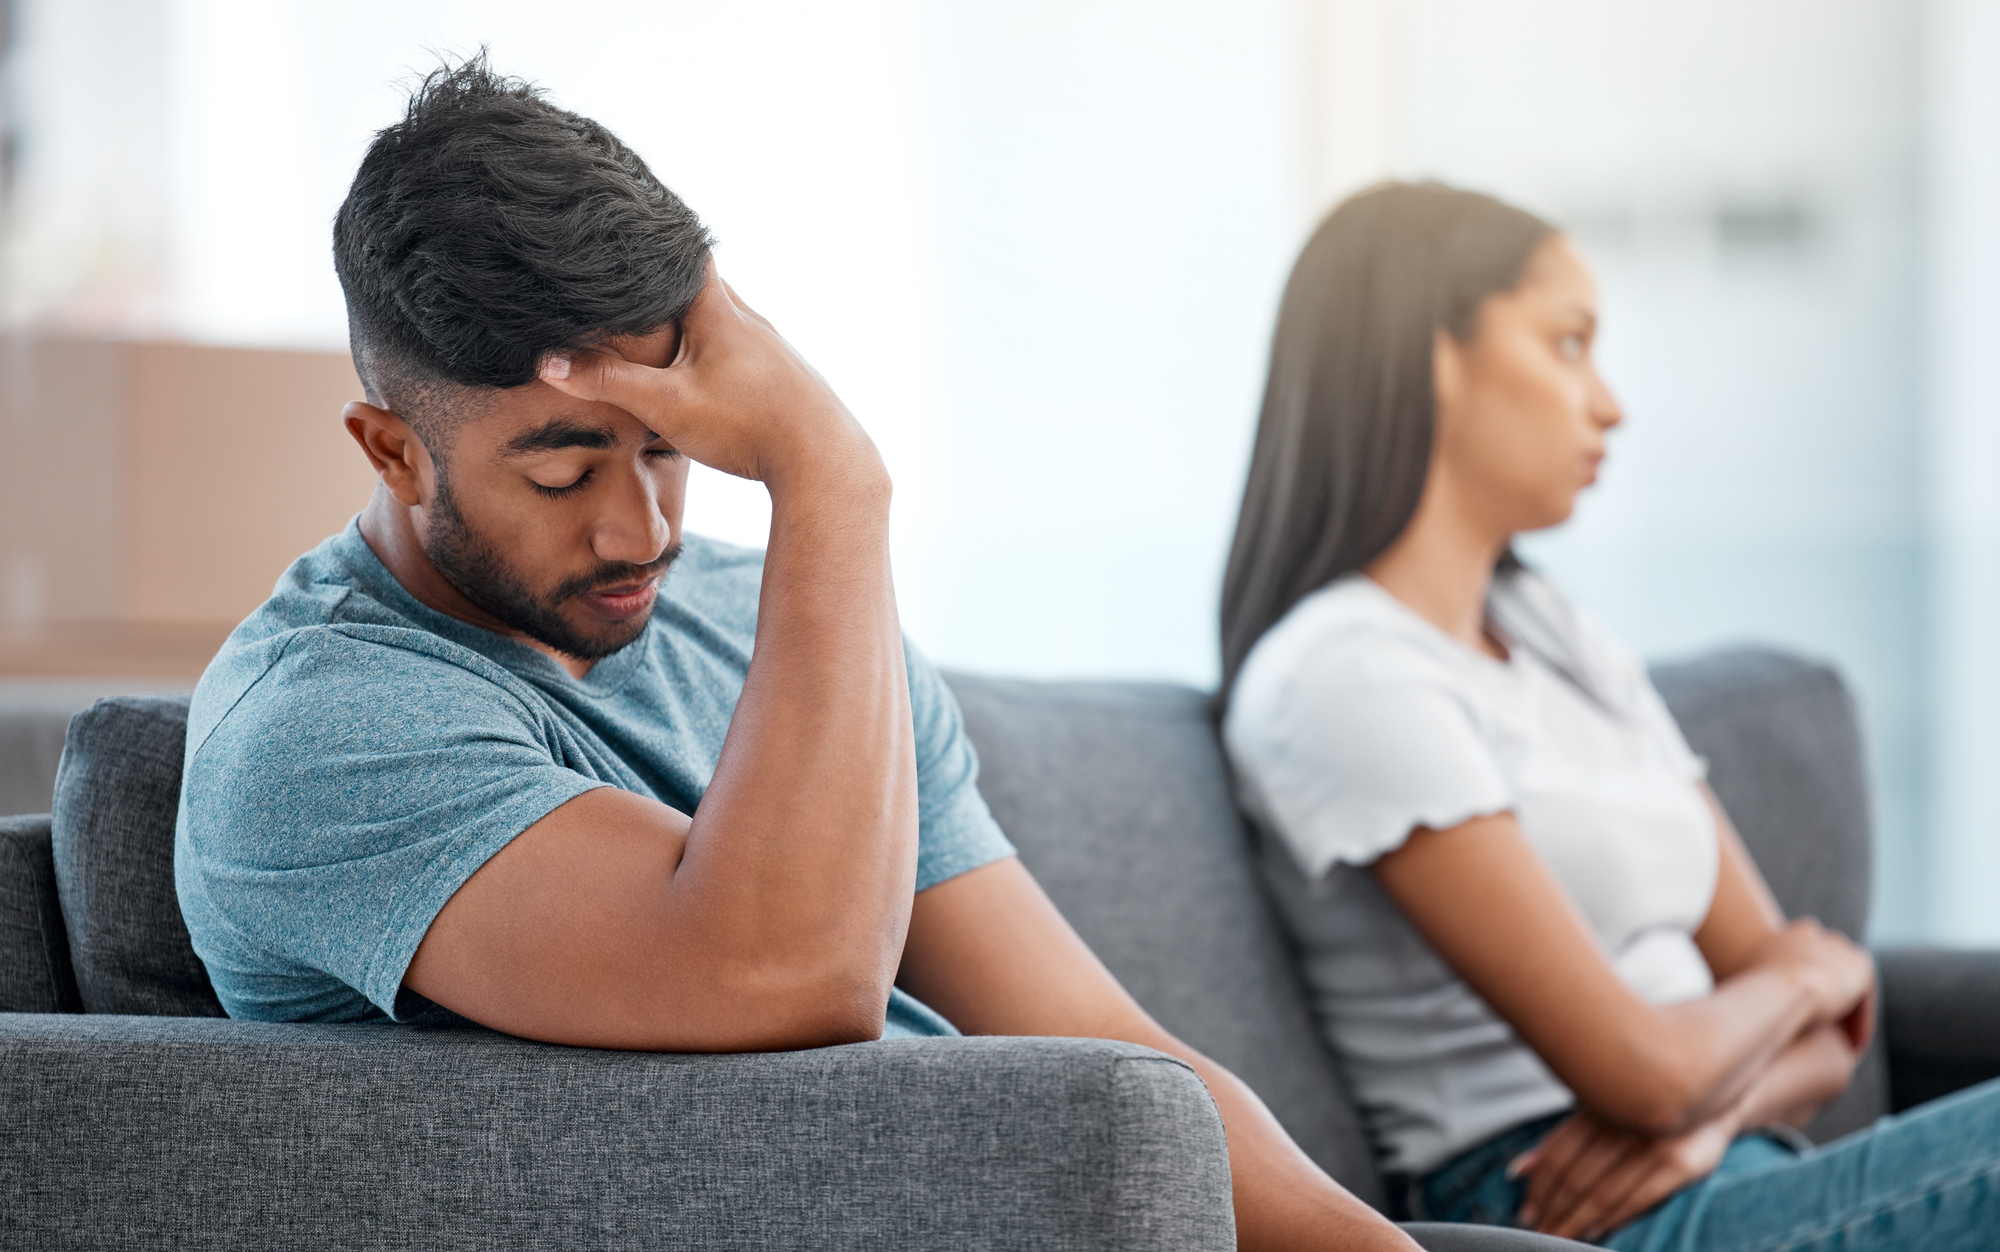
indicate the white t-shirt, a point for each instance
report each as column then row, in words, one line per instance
column 1353, row 722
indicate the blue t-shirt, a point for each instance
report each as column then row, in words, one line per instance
column 353, row 756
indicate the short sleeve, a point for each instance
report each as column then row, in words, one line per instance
column 955, row 830
column 1342, row 766
column 345, row 796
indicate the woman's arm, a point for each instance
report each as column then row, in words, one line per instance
column 1489, row 905
column 1743, row 917
column 1589, row 1177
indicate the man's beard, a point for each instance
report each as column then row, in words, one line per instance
column 483, row 576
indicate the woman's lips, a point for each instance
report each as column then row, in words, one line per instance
column 626, row 600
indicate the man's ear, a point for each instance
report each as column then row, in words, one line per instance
column 391, row 447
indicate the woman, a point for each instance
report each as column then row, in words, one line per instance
column 1563, row 993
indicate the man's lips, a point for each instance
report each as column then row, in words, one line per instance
column 624, row 599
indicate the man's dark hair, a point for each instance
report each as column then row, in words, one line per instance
column 488, row 228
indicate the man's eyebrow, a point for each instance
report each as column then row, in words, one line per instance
column 556, row 434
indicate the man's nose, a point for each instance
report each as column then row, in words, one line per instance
column 631, row 529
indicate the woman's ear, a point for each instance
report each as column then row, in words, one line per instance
column 391, row 447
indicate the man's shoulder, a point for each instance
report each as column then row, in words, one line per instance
column 323, row 644
column 715, row 563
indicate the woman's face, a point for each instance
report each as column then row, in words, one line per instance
column 1521, row 412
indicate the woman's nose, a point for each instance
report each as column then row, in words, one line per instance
column 1604, row 407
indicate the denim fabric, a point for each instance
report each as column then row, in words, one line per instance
column 1473, row 1186
column 354, row 756
column 1925, row 1181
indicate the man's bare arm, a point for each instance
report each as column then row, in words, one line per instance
column 989, row 951
column 775, row 918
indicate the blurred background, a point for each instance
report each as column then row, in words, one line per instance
column 1037, row 247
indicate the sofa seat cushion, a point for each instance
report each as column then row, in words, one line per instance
column 35, row 973
column 117, row 791
column 1117, row 796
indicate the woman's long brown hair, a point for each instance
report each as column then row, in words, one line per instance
column 1344, row 440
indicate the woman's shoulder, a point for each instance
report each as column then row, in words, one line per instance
column 1354, row 721
column 1350, row 636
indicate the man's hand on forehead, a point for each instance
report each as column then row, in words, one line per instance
column 735, row 396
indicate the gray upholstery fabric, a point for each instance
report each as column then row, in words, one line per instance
column 1784, row 758
column 34, row 716
column 35, row 975
column 1116, row 796
column 116, row 792
column 130, row 1133
column 1941, row 1017
column 144, row 1132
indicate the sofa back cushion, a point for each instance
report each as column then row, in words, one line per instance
column 35, row 972
column 1784, row 758
column 117, row 790
column 1117, row 797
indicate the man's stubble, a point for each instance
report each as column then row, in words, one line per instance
column 483, row 576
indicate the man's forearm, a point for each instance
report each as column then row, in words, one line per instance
column 805, row 844
column 1282, row 1199
column 792, row 891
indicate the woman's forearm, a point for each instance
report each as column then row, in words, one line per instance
column 1705, row 1056
column 1800, row 1080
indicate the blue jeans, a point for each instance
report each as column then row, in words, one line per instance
column 1925, row 1181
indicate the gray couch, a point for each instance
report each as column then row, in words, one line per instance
column 134, row 1118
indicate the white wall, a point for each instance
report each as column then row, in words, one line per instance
column 1962, row 196
column 1035, row 247
column 1743, row 176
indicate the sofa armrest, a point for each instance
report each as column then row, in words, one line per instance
column 1940, row 1018
column 1454, row 1237
column 185, row 1132
column 35, row 974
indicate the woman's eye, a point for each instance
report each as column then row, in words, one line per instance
column 557, row 493
column 667, row 454
column 1571, row 346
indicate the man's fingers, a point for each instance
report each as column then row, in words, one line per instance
column 608, row 378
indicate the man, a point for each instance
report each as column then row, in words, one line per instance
column 503, row 748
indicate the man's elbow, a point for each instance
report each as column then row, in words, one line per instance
column 845, row 1011
column 798, row 1009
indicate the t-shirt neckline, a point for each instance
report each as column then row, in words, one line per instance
column 1510, row 664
